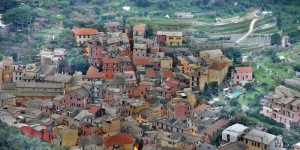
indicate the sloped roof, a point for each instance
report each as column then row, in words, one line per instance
column 150, row 73
column 110, row 60
column 169, row 33
column 167, row 73
column 140, row 27
column 217, row 66
column 255, row 135
column 141, row 61
column 85, row 31
column 200, row 108
column 93, row 73
column 94, row 109
column 243, row 69
column 120, row 139
column 213, row 53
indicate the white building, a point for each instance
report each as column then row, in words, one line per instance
column 234, row 132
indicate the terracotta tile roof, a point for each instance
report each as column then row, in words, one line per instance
column 120, row 139
column 171, row 84
column 217, row 66
column 94, row 109
column 201, row 108
column 217, row 125
column 140, row 27
column 167, row 73
column 93, row 73
column 110, row 60
column 150, row 73
column 243, row 69
column 140, row 61
column 85, row 31
column 220, row 123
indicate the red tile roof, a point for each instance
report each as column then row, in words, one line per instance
column 171, row 84
column 217, row 125
column 140, row 27
column 167, row 73
column 220, row 123
column 150, row 73
column 201, row 108
column 94, row 109
column 140, row 61
column 120, row 139
column 110, row 60
column 84, row 31
column 217, row 66
column 243, row 69
column 93, row 73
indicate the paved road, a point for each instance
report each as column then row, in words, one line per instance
column 249, row 32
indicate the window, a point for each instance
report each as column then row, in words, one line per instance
column 79, row 37
column 20, row 78
column 84, row 36
column 237, row 77
column 16, row 78
column 246, row 141
column 246, row 76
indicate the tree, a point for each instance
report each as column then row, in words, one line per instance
column 206, row 91
column 214, row 88
column 233, row 53
column 142, row 3
column 66, row 39
column 248, row 86
column 7, row 4
column 276, row 39
column 297, row 68
column 279, row 21
column 149, row 31
column 18, row 16
column 163, row 4
column 80, row 64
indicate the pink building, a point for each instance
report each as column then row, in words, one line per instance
column 110, row 93
column 283, row 105
column 60, row 102
column 130, row 79
column 241, row 75
column 161, row 39
column 18, row 72
column 180, row 109
column 95, row 53
column 78, row 98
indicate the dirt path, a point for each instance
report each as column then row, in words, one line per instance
column 249, row 32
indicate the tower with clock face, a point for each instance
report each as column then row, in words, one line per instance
column 7, row 69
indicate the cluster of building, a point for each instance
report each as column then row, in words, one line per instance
column 141, row 93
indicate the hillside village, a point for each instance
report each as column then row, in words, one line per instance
column 134, row 98
column 139, row 88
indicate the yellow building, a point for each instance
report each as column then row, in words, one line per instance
column 111, row 128
column 257, row 140
column 215, row 56
column 217, row 72
column 7, row 99
column 170, row 38
column 65, row 136
column 83, row 35
column 135, row 107
column 199, row 76
column 166, row 63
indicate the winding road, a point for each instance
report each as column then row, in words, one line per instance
column 249, row 32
